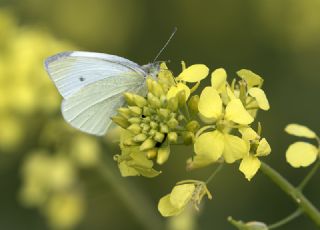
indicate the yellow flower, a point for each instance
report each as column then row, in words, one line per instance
column 250, row 163
column 181, row 195
column 194, row 73
column 301, row 154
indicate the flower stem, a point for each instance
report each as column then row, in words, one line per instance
column 286, row 220
column 214, row 173
column 305, row 205
column 305, row 181
column 131, row 196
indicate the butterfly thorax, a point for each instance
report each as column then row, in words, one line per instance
column 152, row 69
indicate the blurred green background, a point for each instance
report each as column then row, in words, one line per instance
column 280, row 40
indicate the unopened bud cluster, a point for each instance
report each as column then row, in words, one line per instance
column 153, row 121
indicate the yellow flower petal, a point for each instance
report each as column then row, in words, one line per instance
column 176, row 89
column 166, row 208
column 194, row 73
column 300, row 131
column 301, row 154
column 126, row 170
column 210, row 103
column 181, row 195
column 210, row 145
column 236, row 112
column 218, row 79
column 249, row 166
column 261, row 98
column 230, row 93
column 234, row 148
column 264, row 148
column 250, row 77
column 248, row 134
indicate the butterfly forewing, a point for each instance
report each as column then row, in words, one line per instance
column 92, row 85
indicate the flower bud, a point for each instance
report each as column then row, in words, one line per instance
column 181, row 97
column 172, row 123
column 157, row 89
column 173, row 104
column 146, row 111
column 134, row 120
column 158, row 137
column 164, row 128
column 147, row 144
column 129, row 98
column 153, row 125
column 134, row 128
column 151, row 153
column 140, row 137
column 135, row 110
column 121, row 121
column 149, row 84
column 125, row 112
column 145, row 127
column 163, row 101
column 152, row 132
column 193, row 104
column 163, row 154
column 154, row 101
column 139, row 100
column 193, row 126
column 188, row 138
column 172, row 137
column 164, row 113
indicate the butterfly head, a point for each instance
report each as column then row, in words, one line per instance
column 152, row 69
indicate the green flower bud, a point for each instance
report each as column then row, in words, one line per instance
column 135, row 110
column 163, row 154
column 149, row 84
column 181, row 117
column 157, row 89
column 151, row 153
column 147, row 144
column 129, row 142
column 163, row 101
column 181, row 98
column 134, row 128
column 146, row 111
column 121, row 121
column 164, row 128
column 134, row 120
column 158, row 137
column 193, row 104
column 153, row 101
column 193, row 126
column 164, row 113
column 172, row 123
column 187, row 137
column 140, row 137
column 129, row 98
column 172, row 137
column 252, row 225
column 125, row 112
column 145, row 127
column 153, row 125
column 139, row 100
column 152, row 132
column 173, row 104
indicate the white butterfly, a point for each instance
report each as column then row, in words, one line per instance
column 92, row 85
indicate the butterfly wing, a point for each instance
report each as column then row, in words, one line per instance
column 73, row 70
column 92, row 85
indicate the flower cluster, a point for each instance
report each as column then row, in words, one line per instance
column 228, row 110
column 217, row 123
column 302, row 154
column 152, row 123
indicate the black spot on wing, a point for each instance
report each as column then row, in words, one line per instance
column 82, row 79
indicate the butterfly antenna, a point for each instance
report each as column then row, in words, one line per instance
column 165, row 45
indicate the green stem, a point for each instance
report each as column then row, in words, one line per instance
column 305, row 205
column 214, row 173
column 305, row 181
column 286, row 220
column 131, row 196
